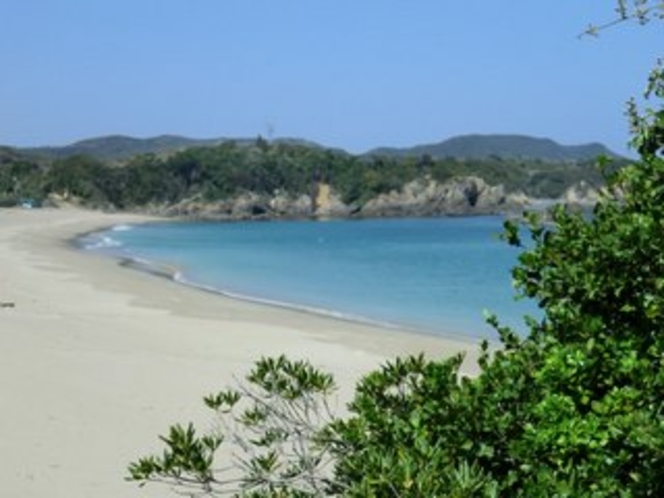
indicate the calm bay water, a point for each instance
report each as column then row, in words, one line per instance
column 432, row 275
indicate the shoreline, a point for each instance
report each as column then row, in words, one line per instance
column 99, row 358
column 155, row 269
column 172, row 273
column 103, row 242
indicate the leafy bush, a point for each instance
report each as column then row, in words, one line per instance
column 275, row 422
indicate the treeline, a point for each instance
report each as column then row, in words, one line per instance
column 220, row 172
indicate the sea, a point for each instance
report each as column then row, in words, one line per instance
column 438, row 276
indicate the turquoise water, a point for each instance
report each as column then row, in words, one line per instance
column 433, row 275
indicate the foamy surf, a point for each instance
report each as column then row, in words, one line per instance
column 122, row 228
column 98, row 241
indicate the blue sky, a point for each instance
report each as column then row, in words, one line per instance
column 352, row 74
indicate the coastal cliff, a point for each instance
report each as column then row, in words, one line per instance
column 425, row 197
column 460, row 196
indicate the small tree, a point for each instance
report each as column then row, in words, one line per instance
column 272, row 425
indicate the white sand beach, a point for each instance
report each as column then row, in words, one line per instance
column 98, row 359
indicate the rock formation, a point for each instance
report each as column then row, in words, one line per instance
column 460, row 196
column 424, row 197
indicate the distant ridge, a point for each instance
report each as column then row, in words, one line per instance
column 505, row 146
column 121, row 147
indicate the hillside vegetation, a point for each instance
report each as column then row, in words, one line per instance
column 505, row 146
column 118, row 148
column 287, row 170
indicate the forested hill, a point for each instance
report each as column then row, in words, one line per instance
column 120, row 148
column 283, row 179
column 505, row 146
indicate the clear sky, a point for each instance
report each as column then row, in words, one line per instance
column 355, row 74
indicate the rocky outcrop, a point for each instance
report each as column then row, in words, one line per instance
column 328, row 204
column 461, row 196
column 582, row 194
column 425, row 197
column 285, row 205
column 246, row 206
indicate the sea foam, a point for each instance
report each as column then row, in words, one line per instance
column 98, row 241
column 122, row 228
